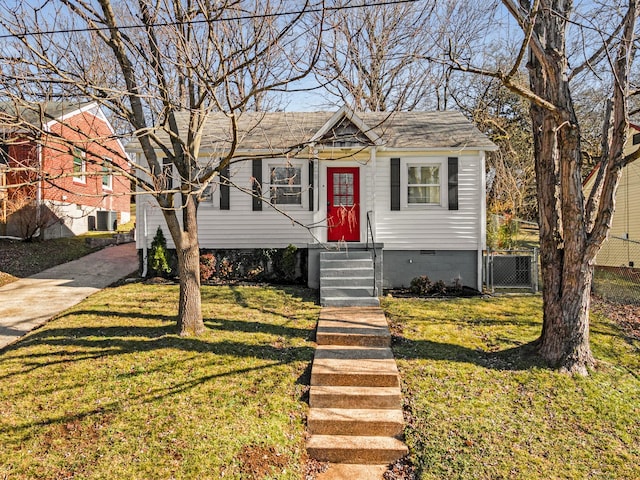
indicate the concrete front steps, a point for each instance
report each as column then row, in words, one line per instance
column 356, row 406
column 347, row 279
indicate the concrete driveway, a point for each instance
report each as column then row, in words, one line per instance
column 32, row 301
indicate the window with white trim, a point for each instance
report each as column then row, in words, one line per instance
column 285, row 183
column 79, row 165
column 107, row 178
column 423, row 184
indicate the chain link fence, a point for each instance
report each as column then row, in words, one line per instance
column 511, row 269
column 616, row 275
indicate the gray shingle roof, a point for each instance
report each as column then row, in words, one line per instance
column 37, row 114
column 282, row 130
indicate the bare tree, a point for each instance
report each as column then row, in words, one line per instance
column 373, row 58
column 149, row 62
column 572, row 227
column 503, row 116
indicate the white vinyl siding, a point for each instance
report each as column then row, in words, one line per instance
column 240, row 227
column 423, row 227
column 432, row 227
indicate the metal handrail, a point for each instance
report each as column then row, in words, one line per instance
column 375, row 254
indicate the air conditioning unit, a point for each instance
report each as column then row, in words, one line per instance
column 106, row 221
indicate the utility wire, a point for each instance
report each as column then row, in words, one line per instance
column 214, row 20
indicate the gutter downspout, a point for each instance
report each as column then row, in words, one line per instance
column 144, row 242
column 482, row 218
column 39, row 189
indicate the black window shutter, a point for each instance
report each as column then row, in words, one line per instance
column 452, row 171
column 257, row 185
column 224, row 188
column 311, row 185
column 395, row 184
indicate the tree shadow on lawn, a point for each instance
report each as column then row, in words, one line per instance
column 242, row 297
column 520, row 357
column 90, row 343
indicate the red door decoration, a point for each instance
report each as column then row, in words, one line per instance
column 343, row 204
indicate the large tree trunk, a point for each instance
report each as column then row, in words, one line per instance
column 185, row 237
column 566, row 268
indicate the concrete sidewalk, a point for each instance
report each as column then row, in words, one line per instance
column 32, row 301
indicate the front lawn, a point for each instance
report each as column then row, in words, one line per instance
column 109, row 391
column 478, row 408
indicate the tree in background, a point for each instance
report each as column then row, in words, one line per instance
column 149, row 63
column 503, row 116
column 372, row 59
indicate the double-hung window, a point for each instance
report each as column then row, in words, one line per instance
column 79, row 165
column 423, row 184
column 285, row 184
column 107, row 179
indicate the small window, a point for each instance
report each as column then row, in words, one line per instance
column 285, row 185
column 636, row 139
column 79, row 165
column 206, row 197
column 4, row 151
column 423, row 184
column 167, row 173
column 107, row 179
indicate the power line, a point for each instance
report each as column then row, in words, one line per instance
column 214, row 20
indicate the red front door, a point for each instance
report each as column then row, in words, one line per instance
column 343, row 204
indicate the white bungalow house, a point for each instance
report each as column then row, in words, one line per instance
column 336, row 184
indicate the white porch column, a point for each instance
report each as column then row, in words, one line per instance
column 371, row 205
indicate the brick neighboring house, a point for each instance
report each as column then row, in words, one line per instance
column 72, row 149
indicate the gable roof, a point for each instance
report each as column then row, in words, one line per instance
column 279, row 131
column 338, row 119
column 40, row 114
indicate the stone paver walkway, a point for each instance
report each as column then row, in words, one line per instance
column 30, row 302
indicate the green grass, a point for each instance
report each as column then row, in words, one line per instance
column 479, row 407
column 109, row 391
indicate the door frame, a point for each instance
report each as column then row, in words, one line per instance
column 330, row 169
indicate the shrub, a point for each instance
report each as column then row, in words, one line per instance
column 225, row 269
column 438, row 288
column 284, row 263
column 207, row 266
column 158, row 263
column 421, row 285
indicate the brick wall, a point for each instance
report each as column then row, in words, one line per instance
column 92, row 136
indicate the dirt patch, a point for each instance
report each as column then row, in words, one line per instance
column 258, row 461
column 313, row 468
column 447, row 292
